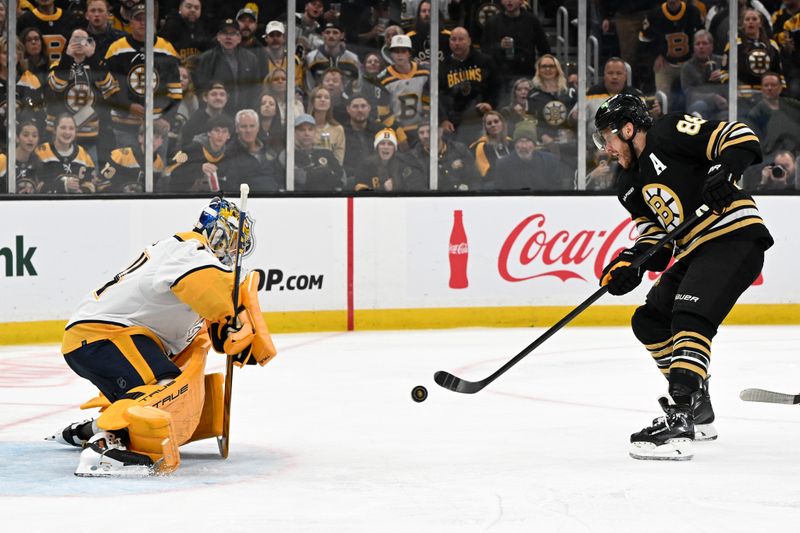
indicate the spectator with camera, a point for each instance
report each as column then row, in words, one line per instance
column 781, row 174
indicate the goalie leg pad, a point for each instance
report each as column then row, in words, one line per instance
column 210, row 424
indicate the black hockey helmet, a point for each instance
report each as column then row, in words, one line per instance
column 617, row 111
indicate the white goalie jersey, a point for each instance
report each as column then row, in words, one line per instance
column 169, row 290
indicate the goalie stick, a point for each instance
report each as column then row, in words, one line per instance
column 223, row 442
column 456, row 384
column 767, row 396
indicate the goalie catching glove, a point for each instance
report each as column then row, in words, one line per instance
column 248, row 340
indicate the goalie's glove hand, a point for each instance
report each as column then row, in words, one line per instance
column 232, row 339
column 719, row 189
column 619, row 276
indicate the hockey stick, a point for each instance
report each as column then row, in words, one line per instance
column 456, row 384
column 224, row 441
column 766, row 396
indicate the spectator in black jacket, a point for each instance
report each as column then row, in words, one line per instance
column 528, row 168
column 216, row 98
column 468, row 88
column 359, row 134
column 389, row 170
column 512, row 38
column 98, row 17
column 185, row 30
column 236, row 67
column 456, row 165
column 247, row 160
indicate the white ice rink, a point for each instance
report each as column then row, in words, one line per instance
column 327, row 438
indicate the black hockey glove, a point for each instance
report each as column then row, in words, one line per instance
column 619, row 276
column 719, row 190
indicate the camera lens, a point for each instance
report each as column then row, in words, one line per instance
column 778, row 171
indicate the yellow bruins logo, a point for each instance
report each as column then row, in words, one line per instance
column 487, row 11
column 664, row 203
column 554, row 113
column 758, row 61
column 136, row 79
column 79, row 96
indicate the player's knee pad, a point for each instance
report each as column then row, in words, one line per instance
column 650, row 326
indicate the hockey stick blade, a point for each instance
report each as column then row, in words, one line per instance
column 766, row 396
column 456, row 384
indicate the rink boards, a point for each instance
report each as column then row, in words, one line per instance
column 368, row 263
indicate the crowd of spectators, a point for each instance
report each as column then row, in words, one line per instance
column 507, row 110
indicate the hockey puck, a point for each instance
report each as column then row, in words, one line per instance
column 419, row 393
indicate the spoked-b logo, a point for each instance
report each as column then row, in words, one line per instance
column 17, row 258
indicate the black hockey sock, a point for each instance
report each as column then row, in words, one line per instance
column 682, row 384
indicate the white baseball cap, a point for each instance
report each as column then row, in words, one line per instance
column 275, row 25
column 400, row 41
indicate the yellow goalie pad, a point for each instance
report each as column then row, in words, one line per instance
column 261, row 349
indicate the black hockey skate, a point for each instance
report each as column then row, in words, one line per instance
column 669, row 438
column 704, row 429
column 76, row 434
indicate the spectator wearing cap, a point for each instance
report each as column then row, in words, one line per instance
column 185, row 30
column 315, row 169
column 388, row 170
column 215, row 98
column 125, row 61
column 122, row 14
column 247, row 159
column 247, row 18
column 275, row 52
column 406, row 94
column 527, row 168
column 196, row 168
column 332, row 53
column 309, row 26
column 236, row 67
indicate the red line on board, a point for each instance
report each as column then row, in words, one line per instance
column 350, row 315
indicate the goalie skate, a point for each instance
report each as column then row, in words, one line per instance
column 106, row 456
column 669, row 438
column 76, row 434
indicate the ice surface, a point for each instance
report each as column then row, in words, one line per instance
column 327, row 438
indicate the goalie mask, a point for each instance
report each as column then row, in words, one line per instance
column 219, row 223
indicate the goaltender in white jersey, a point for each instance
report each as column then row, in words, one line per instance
column 142, row 338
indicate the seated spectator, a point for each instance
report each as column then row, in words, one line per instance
column 276, row 55
column 315, row 169
column 275, row 84
column 195, row 168
column 513, row 38
column 30, row 99
column 35, row 56
column 359, row 134
column 700, row 77
column 331, row 54
column 247, row 159
column 456, row 166
column 329, row 134
column 98, row 18
column 388, row 170
column 233, row 65
column 406, row 96
column 54, row 24
column 270, row 131
column 550, row 101
column 125, row 170
column 468, row 88
column 603, row 175
column 28, row 164
column 66, row 166
column 529, row 169
column 79, row 85
column 215, row 98
column 493, row 146
column 775, row 118
column 781, row 174
column 758, row 54
column 615, row 81
column 333, row 80
column 368, row 86
column 517, row 108
column 185, row 30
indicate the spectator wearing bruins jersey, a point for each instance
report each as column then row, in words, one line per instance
column 468, row 88
column 387, row 170
column 125, row 61
column 789, row 40
column 315, row 169
column 670, row 28
column 66, row 166
column 29, row 95
column 420, row 36
column 671, row 168
column 78, row 85
column 55, row 24
column 28, row 165
column 406, row 95
column 122, row 14
column 124, row 172
column 757, row 53
column 196, row 167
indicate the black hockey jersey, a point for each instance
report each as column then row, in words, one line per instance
column 756, row 58
column 125, row 172
column 55, row 28
column 672, row 33
column 55, row 166
column 667, row 185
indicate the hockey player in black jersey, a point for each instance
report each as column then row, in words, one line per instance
column 670, row 169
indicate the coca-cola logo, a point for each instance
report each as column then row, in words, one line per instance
column 531, row 251
column 459, row 249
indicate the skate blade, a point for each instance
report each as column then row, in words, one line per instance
column 106, row 470
column 672, row 450
column 705, row 432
